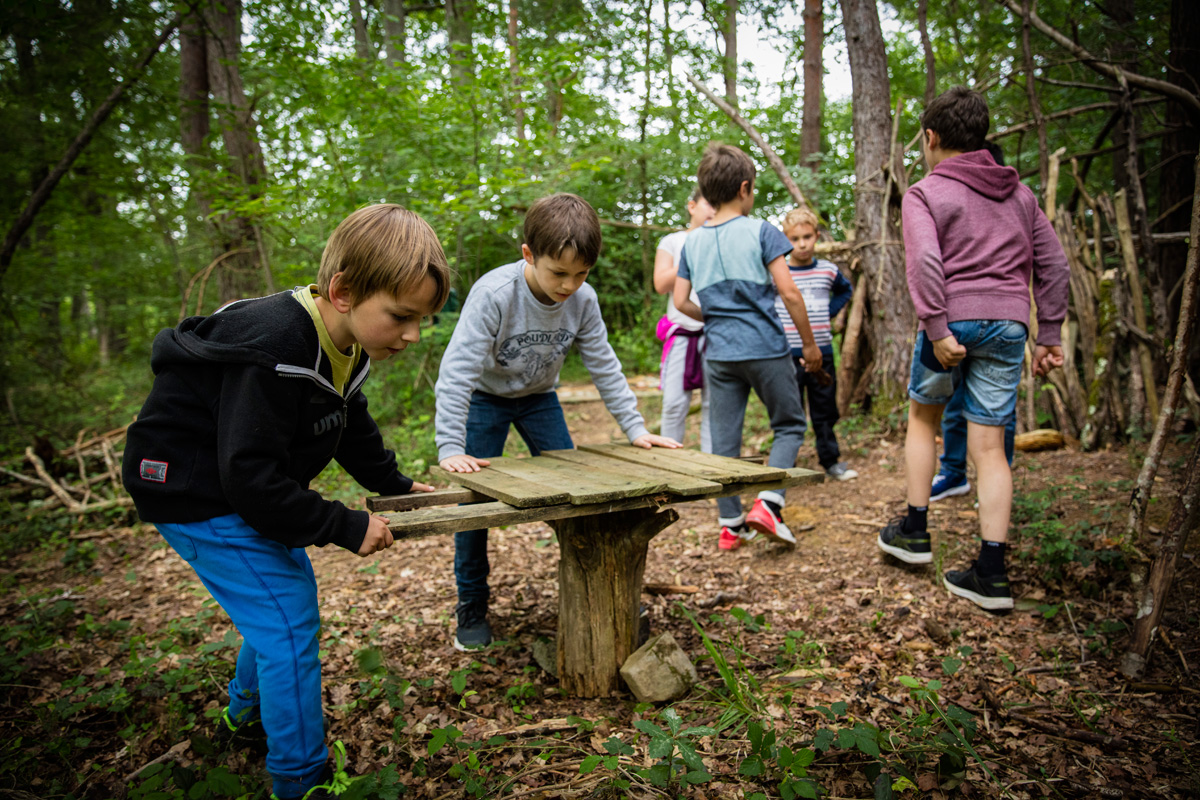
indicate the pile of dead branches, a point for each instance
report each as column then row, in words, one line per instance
column 82, row 478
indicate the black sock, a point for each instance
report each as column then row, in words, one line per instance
column 776, row 509
column 917, row 519
column 739, row 528
column 991, row 558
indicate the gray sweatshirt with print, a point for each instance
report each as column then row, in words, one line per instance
column 508, row 343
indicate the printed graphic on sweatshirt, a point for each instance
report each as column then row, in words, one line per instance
column 329, row 422
column 534, row 353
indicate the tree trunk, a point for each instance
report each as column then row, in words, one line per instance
column 395, row 21
column 514, row 72
column 643, row 167
column 927, row 49
column 460, row 25
column 244, row 274
column 363, row 50
column 1152, row 594
column 1176, row 197
column 601, row 564
column 730, row 61
column 1035, row 106
column 810, row 123
column 892, row 319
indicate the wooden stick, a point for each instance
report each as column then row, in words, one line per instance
column 1153, row 588
column 59, row 492
column 772, row 157
column 1129, row 259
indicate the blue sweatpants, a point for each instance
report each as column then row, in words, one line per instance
column 270, row 593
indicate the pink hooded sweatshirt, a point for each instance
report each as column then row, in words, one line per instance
column 973, row 238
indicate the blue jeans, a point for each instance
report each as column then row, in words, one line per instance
column 954, row 437
column 988, row 376
column 270, row 593
column 539, row 420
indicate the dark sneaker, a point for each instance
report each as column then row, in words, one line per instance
column 250, row 735
column 318, row 792
column 948, row 486
column 473, row 630
column 911, row 548
column 991, row 592
column 841, row 472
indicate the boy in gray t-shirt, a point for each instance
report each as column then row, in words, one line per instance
column 737, row 267
column 500, row 367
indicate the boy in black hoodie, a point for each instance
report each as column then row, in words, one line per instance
column 248, row 406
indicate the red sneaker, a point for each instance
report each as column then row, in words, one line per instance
column 732, row 541
column 762, row 520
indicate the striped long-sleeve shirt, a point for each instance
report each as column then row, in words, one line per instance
column 825, row 291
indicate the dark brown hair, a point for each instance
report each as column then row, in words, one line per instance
column 560, row 221
column 959, row 116
column 383, row 248
column 723, row 170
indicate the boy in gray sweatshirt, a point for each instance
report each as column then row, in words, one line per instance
column 500, row 367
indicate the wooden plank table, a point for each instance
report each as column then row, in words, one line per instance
column 605, row 503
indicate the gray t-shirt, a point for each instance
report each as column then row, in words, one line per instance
column 510, row 344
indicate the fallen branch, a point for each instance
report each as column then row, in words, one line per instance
column 175, row 752
column 40, row 468
column 1065, row 732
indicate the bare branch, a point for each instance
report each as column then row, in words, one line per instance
column 772, row 157
column 1188, row 100
column 43, row 191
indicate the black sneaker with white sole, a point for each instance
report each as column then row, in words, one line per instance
column 910, row 547
column 989, row 592
column 474, row 632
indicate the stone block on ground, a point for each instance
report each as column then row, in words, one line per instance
column 659, row 671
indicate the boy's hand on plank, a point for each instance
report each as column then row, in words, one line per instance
column 463, row 463
column 421, row 487
column 378, row 537
column 811, row 358
column 1046, row 359
column 948, row 351
column 649, row 440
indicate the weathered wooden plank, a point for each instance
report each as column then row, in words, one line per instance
column 502, row 486
column 747, row 470
column 451, row 495
column 438, row 520
column 677, row 483
column 583, row 486
column 689, row 462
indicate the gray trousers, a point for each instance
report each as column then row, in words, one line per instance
column 774, row 381
column 676, row 403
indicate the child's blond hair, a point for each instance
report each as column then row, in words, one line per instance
column 383, row 248
column 800, row 216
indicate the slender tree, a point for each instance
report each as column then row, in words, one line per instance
column 877, row 232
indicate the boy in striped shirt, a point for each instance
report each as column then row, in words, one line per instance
column 825, row 292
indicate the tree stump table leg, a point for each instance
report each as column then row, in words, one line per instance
column 600, row 568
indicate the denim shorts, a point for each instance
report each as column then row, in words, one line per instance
column 990, row 373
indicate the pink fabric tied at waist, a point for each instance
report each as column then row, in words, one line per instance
column 693, row 367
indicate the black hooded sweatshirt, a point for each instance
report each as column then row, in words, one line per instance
column 242, row 416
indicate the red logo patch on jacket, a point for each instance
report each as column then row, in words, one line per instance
column 154, row 471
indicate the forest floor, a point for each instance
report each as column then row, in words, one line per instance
column 822, row 667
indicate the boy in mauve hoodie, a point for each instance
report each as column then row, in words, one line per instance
column 974, row 238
